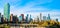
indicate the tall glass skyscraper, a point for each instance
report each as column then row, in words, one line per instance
column 44, row 18
column 20, row 18
column 27, row 17
column 30, row 16
column 7, row 11
column 40, row 16
column 48, row 18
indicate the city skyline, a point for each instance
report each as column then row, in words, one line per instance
column 33, row 7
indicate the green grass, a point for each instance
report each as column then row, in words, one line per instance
column 4, row 26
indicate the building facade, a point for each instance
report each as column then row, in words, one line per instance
column 40, row 16
column 48, row 18
column 44, row 18
column 27, row 17
column 57, row 19
column 20, row 18
column 0, row 17
column 11, row 17
column 7, row 12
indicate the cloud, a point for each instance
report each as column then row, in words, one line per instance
column 28, row 10
column 33, row 7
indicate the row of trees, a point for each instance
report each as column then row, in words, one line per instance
column 49, row 23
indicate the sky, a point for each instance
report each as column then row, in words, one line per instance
column 33, row 7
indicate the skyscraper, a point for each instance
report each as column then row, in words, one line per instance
column 7, row 11
column 37, row 18
column 11, row 17
column 14, row 18
column 44, row 18
column 27, row 17
column 30, row 18
column 0, row 17
column 48, row 18
column 22, row 16
column 40, row 16
column 57, row 19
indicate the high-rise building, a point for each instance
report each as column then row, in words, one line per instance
column 15, row 19
column 40, row 16
column 22, row 16
column 57, row 19
column 37, row 18
column 30, row 18
column 48, row 18
column 0, row 17
column 7, row 11
column 44, row 18
column 11, row 17
column 27, row 17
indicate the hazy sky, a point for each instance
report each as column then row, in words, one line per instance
column 33, row 7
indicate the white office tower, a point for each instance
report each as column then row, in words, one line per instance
column 44, row 18
column 40, row 17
